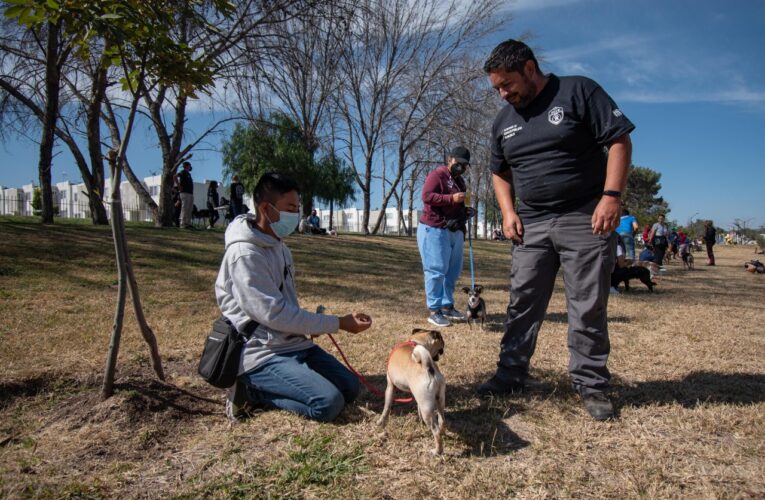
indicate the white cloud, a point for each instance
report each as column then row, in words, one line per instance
column 743, row 96
column 519, row 5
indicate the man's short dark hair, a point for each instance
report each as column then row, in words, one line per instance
column 186, row 164
column 510, row 55
column 272, row 185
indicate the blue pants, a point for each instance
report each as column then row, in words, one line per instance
column 441, row 254
column 311, row 383
column 629, row 245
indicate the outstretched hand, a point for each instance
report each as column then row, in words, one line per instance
column 355, row 323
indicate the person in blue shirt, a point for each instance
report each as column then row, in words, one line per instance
column 628, row 224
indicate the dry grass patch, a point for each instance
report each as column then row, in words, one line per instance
column 687, row 363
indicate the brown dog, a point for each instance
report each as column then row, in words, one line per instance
column 412, row 367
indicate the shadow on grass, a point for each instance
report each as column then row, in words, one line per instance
column 481, row 429
column 696, row 389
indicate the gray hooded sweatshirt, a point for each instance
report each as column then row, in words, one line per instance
column 255, row 283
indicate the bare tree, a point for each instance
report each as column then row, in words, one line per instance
column 296, row 67
column 395, row 65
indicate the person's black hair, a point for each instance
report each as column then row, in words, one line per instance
column 186, row 163
column 510, row 55
column 625, row 211
column 213, row 184
column 272, row 185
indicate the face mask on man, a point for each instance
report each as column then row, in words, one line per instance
column 457, row 169
column 286, row 224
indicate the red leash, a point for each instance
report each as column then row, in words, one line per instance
column 374, row 390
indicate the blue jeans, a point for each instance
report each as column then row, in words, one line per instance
column 311, row 383
column 441, row 254
column 629, row 245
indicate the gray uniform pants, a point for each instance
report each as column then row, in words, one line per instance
column 567, row 242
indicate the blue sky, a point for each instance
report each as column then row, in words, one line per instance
column 689, row 74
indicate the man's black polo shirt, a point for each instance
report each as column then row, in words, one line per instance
column 555, row 147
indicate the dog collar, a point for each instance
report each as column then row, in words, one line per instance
column 402, row 344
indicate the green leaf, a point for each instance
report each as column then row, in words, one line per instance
column 15, row 11
column 53, row 4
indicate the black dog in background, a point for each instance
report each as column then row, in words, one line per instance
column 625, row 274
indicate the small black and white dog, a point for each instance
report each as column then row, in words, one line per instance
column 625, row 274
column 476, row 307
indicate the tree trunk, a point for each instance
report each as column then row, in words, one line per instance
column 126, row 278
column 52, row 81
column 331, row 212
column 118, row 232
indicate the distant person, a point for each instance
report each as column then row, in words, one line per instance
column 659, row 238
column 673, row 237
column 212, row 203
column 186, row 186
column 646, row 232
column 175, row 197
column 441, row 235
column 710, row 238
column 280, row 367
column 628, row 226
column 236, row 192
column 314, row 224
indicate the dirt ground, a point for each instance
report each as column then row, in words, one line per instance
column 688, row 366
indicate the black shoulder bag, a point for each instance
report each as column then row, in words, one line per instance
column 219, row 364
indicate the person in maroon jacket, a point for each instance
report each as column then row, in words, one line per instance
column 441, row 235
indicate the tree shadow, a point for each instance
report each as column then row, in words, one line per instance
column 695, row 389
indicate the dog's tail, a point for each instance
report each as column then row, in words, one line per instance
column 422, row 357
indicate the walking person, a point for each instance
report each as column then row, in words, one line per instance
column 628, row 226
column 659, row 238
column 710, row 238
column 186, row 187
column 441, row 235
column 548, row 150
column 212, row 203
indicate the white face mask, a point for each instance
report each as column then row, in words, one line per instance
column 286, row 224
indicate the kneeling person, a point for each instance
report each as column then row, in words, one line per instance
column 281, row 367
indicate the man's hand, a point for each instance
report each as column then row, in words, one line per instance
column 513, row 227
column 355, row 323
column 458, row 197
column 606, row 216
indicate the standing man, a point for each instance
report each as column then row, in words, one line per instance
column 186, row 186
column 441, row 235
column 549, row 149
column 628, row 225
column 710, row 237
column 237, row 196
column 659, row 238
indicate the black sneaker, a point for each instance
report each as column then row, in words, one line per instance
column 497, row 387
column 452, row 314
column 438, row 319
column 599, row 406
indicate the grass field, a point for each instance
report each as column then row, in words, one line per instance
column 688, row 365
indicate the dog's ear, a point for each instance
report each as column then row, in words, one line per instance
column 436, row 335
column 466, row 289
column 419, row 330
column 478, row 289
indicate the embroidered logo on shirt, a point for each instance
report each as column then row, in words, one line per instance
column 617, row 113
column 511, row 131
column 555, row 116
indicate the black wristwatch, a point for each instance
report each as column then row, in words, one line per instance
column 615, row 194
